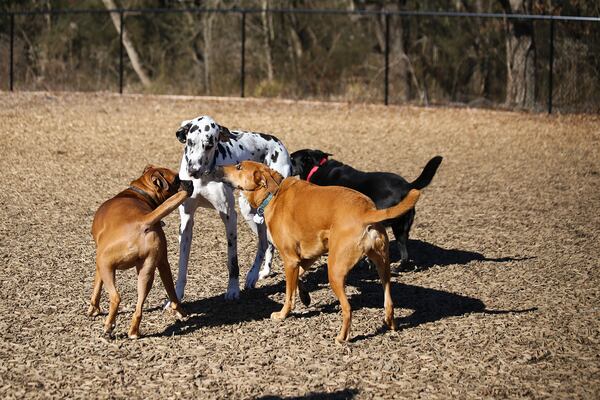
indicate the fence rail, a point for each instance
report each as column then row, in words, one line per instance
column 245, row 11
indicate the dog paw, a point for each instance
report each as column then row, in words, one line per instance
column 251, row 278
column 93, row 311
column 134, row 335
column 166, row 305
column 233, row 290
column 177, row 311
column 108, row 335
column 391, row 324
column 265, row 272
column 304, row 297
column 278, row 316
column 341, row 339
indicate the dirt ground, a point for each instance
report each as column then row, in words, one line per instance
column 504, row 302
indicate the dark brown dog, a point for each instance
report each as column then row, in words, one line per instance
column 305, row 221
column 128, row 233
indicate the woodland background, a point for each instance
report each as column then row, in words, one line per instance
column 480, row 62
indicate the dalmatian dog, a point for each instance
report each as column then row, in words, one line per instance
column 208, row 144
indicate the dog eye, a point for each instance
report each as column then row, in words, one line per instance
column 238, row 167
column 190, row 143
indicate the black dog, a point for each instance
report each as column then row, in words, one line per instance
column 385, row 189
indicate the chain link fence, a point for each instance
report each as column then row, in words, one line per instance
column 421, row 58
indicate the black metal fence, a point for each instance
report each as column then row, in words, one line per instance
column 552, row 21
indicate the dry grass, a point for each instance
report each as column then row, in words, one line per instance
column 505, row 303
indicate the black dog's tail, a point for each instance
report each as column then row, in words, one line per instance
column 428, row 172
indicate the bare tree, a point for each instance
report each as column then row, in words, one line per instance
column 267, row 28
column 128, row 44
column 520, row 55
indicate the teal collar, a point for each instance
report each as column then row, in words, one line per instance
column 261, row 209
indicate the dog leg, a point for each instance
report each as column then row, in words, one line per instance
column 186, row 229
column 108, row 278
column 401, row 228
column 291, row 284
column 164, row 271
column 266, row 267
column 145, row 275
column 94, row 308
column 260, row 229
column 302, row 291
column 380, row 258
column 230, row 220
column 340, row 262
column 336, row 281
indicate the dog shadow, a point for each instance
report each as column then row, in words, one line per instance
column 425, row 255
column 337, row 395
column 252, row 305
column 428, row 305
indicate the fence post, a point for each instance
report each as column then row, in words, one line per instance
column 12, row 50
column 243, row 56
column 551, row 66
column 122, row 23
column 387, row 57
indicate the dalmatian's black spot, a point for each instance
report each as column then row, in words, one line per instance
column 190, row 143
column 234, row 269
column 252, row 153
column 211, row 141
column 268, row 137
column 194, row 128
column 200, row 119
column 221, row 150
column 275, row 156
column 241, row 147
column 206, row 128
column 212, row 124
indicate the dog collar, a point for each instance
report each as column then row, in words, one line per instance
column 259, row 217
column 315, row 168
column 144, row 195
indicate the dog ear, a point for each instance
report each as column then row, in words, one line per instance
column 260, row 179
column 182, row 132
column 159, row 181
column 224, row 134
column 148, row 167
column 322, row 154
column 276, row 176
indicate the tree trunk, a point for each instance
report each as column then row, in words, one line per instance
column 131, row 52
column 267, row 38
column 520, row 56
column 207, row 34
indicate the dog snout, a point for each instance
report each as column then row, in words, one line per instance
column 188, row 186
column 218, row 173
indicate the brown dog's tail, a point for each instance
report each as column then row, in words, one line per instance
column 165, row 208
column 374, row 216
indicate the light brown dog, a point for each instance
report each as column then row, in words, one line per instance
column 305, row 221
column 128, row 233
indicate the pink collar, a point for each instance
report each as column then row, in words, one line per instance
column 315, row 168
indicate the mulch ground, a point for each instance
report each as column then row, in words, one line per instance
column 504, row 301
